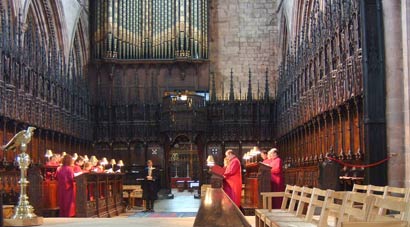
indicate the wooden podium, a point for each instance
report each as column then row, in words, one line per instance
column 264, row 181
column 257, row 180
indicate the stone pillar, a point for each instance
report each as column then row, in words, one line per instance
column 394, row 91
column 405, row 19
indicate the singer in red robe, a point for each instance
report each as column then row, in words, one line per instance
column 277, row 180
column 66, row 187
column 233, row 178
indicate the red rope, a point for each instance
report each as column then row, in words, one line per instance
column 359, row 166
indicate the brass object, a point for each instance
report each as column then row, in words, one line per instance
column 24, row 212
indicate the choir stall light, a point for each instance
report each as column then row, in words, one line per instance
column 120, row 164
column 210, row 161
column 49, row 154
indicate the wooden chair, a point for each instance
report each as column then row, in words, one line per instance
column 315, row 200
column 290, row 209
column 351, row 212
column 302, row 202
column 267, row 203
column 396, row 193
column 384, row 209
column 332, row 208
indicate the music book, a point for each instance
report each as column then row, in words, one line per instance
column 261, row 164
column 218, row 170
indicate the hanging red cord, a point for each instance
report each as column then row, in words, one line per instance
column 359, row 166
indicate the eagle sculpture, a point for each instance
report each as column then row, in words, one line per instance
column 22, row 137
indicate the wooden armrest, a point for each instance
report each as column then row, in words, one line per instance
column 376, row 224
column 266, row 198
column 272, row 194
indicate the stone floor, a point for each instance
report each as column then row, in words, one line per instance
column 182, row 202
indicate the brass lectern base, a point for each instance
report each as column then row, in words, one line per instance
column 23, row 222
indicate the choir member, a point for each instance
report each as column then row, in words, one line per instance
column 66, row 187
column 277, row 180
column 233, row 178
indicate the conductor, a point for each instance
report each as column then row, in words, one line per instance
column 150, row 186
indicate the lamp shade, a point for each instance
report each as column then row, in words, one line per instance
column 256, row 150
column 93, row 160
column 86, row 158
column 210, row 160
column 120, row 163
column 113, row 162
column 49, row 153
column 63, row 154
column 75, row 156
column 104, row 161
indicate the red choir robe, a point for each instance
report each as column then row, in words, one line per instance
column 233, row 181
column 77, row 169
column 277, row 180
column 66, row 191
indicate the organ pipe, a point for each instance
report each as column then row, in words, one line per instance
column 150, row 29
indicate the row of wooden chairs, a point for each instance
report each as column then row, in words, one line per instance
column 365, row 205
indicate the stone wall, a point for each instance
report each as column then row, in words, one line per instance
column 243, row 35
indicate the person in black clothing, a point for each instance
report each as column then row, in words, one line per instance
column 329, row 172
column 149, row 186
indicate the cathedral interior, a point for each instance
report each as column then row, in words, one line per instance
column 177, row 81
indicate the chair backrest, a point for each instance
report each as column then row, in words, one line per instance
column 287, row 196
column 351, row 212
column 399, row 193
column 318, row 199
column 296, row 194
column 304, row 200
column 391, row 206
column 395, row 193
column 332, row 206
column 378, row 191
column 360, row 188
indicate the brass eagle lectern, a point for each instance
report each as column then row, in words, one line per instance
column 23, row 212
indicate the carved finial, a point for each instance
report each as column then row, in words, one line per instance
column 231, row 94
column 258, row 92
column 223, row 90
column 240, row 91
column 266, row 86
column 213, row 91
column 249, row 98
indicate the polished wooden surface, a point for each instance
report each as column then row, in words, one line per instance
column 217, row 210
column 50, row 194
column 99, row 195
column 257, row 180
